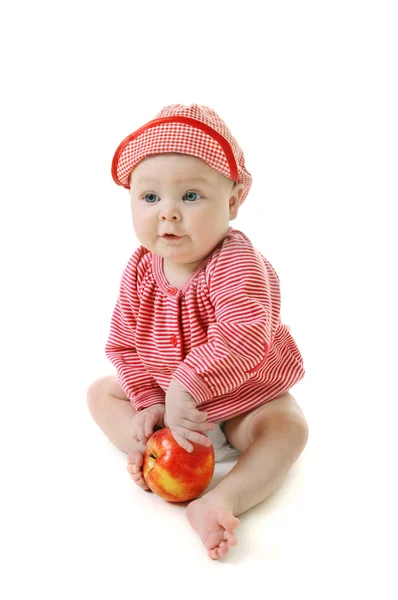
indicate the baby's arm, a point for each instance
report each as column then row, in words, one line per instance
column 246, row 299
column 134, row 379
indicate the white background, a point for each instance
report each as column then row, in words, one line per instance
column 309, row 89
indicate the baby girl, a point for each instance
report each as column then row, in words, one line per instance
column 196, row 336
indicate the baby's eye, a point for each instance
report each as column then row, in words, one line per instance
column 191, row 196
column 150, row 197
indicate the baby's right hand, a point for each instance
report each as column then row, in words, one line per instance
column 144, row 422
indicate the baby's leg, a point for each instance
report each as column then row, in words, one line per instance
column 271, row 438
column 112, row 411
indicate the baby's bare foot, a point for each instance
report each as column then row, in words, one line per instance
column 214, row 524
column 135, row 461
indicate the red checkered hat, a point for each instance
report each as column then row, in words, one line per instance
column 195, row 130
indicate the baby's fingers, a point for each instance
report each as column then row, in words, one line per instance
column 197, row 415
column 141, row 432
column 198, row 438
column 202, row 426
column 199, row 421
column 187, row 435
column 182, row 441
column 145, row 428
column 150, row 423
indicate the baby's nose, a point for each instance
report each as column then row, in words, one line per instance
column 170, row 210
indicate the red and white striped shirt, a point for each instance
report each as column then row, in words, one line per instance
column 220, row 334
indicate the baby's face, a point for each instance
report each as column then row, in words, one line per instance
column 181, row 194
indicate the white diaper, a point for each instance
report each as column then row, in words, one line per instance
column 222, row 449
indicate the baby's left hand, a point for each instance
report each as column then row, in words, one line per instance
column 184, row 419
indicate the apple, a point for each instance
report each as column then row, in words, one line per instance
column 173, row 473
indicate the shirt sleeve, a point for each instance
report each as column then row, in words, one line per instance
column 134, row 379
column 244, row 291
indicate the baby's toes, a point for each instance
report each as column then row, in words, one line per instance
column 135, row 472
column 219, row 551
column 223, row 548
column 138, row 478
column 135, row 457
column 131, row 467
column 231, row 538
column 135, row 461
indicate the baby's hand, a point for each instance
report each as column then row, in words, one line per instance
column 184, row 419
column 143, row 423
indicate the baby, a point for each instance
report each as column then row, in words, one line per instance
column 196, row 335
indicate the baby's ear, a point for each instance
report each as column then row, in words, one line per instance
column 236, row 194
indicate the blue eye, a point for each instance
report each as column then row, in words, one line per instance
column 189, row 195
column 150, row 197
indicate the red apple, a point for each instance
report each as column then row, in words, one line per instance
column 173, row 473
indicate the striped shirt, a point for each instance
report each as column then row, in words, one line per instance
column 220, row 334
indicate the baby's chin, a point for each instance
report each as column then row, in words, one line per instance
column 181, row 255
column 186, row 251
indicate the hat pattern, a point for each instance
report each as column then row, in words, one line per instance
column 194, row 130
